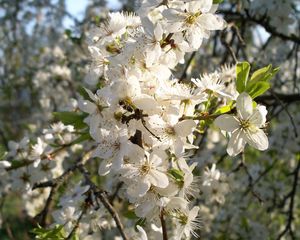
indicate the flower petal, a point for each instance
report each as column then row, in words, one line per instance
column 158, row 179
column 227, row 123
column 236, row 143
column 193, row 213
column 211, row 22
column 258, row 140
column 244, row 106
column 258, row 118
column 185, row 127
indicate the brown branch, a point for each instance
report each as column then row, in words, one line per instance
column 262, row 22
column 163, row 225
column 76, row 226
column 242, row 165
column 183, row 75
column 42, row 216
column 228, row 47
column 57, row 181
column 292, row 195
column 287, row 112
column 288, row 98
column 99, row 193
column 115, row 194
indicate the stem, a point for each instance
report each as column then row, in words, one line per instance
column 163, row 225
column 99, row 193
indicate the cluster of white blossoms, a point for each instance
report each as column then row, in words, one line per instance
column 144, row 125
column 144, row 120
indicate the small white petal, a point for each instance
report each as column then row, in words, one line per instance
column 258, row 140
column 87, row 106
column 142, row 232
column 236, row 143
column 244, row 106
column 258, row 118
column 185, row 127
column 211, row 22
column 193, row 213
column 227, row 123
column 158, row 179
column 146, row 103
column 158, row 32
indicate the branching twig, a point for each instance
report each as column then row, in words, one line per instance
column 42, row 216
column 228, row 47
column 287, row 112
column 292, row 195
column 262, row 22
column 73, row 232
column 105, row 201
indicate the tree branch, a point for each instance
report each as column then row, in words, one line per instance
column 292, row 195
column 105, row 201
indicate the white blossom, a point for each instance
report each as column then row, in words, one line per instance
column 246, row 127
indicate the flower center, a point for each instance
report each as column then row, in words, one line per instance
column 145, row 169
column 245, row 124
column 183, row 219
column 170, row 130
column 192, row 17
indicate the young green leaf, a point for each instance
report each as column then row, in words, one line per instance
column 83, row 137
column 2, row 152
column 176, row 174
column 258, row 88
column 71, row 118
column 81, row 90
column 222, row 110
column 56, row 233
column 264, row 74
column 242, row 74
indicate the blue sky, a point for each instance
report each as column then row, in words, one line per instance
column 76, row 8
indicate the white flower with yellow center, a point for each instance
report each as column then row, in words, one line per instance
column 246, row 127
column 196, row 18
column 144, row 170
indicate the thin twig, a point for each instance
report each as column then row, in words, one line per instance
column 287, row 112
column 105, row 201
column 292, row 195
column 76, row 226
column 49, row 203
column 183, row 75
column 228, row 47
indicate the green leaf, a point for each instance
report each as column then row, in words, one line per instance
column 84, row 136
column 75, row 237
column 177, row 174
column 217, row 1
column 56, row 233
column 2, row 152
column 72, row 118
column 242, row 74
column 222, row 110
column 81, row 90
column 258, row 88
column 264, row 74
column 130, row 214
